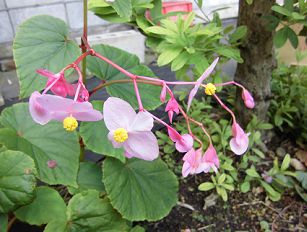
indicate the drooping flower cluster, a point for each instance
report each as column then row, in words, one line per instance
column 45, row 107
column 132, row 130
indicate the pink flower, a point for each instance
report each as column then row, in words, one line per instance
column 130, row 130
column 248, row 99
column 46, row 107
column 61, row 87
column 171, row 107
column 83, row 94
column 207, row 72
column 211, row 159
column 239, row 142
column 183, row 143
column 193, row 163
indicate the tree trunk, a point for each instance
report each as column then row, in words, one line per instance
column 258, row 55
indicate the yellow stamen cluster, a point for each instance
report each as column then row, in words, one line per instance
column 70, row 123
column 120, row 135
column 210, row 89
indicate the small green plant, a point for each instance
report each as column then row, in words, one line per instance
column 288, row 106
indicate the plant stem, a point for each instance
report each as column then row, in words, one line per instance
column 11, row 222
column 83, row 47
column 105, row 84
column 83, row 58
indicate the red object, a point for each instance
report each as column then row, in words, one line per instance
column 167, row 7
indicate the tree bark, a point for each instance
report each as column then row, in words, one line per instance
column 259, row 61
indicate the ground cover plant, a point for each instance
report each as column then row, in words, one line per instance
column 203, row 148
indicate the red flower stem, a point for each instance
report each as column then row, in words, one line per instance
column 225, row 107
column 138, row 96
column 230, row 83
column 202, row 127
column 189, row 127
column 105, row 84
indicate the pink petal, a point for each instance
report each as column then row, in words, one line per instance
column 211, row 157
column 185, row 143
column 173, row 134
column 142, row 122
column 207, row 72
column 143, row 145
column 129, row 156
column 239, row 148
column 186, row 169
column 114, row 143
column 88, row 116
column 117, row 113
column 192, row 95
column 55, row 103
column 37, row 110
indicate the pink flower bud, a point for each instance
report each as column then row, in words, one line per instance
column 51, row 164
column 171, row 107
column 163, row 93
column 248, row 99
column 239, row 142
column 183, row 143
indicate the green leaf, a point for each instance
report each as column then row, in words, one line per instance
column 3, row 222
column 292, row 37
column 245, row 187
column 41, row 42
column 122, row 7
column 221, row 179
column 281, row 10
column 229, row 53
column 302, row 177
column 150, row 94
column 249, row 2
column 265, row 126
column 159, row 30
column 137, row 229
column 280, row 37
column 285, row 163
column 274, row 195
column 229, row 187
column 17, row 180
column 252, row 172
column 301, row 192
column 206, row 186
column 222, row 192
column 47, row 205
column 140, row 190
column 238, row 34
column 168, row 55
column 87, row 212
column 42, row 143
column 89, row 177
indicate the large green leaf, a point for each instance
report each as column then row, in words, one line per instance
column 89, row 177
column 149, row 94
column 47, row 205
column 87, row 212
column 140, row 190
column 17, row 180
column 3, row 222
column 41, row 42
column 42, row 143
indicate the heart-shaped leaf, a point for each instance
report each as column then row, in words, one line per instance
column 41, row 42
column 87, row 212
column 140, row 190
column 47, row 205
